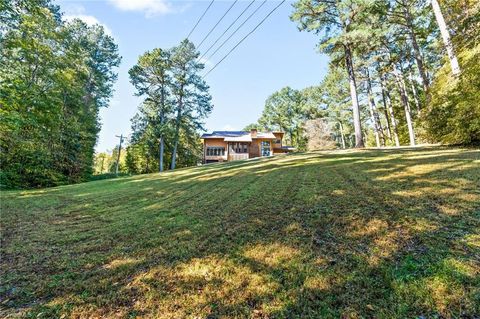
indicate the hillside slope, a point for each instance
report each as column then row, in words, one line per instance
column 384, row 234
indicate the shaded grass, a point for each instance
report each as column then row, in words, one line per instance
column 384, row 234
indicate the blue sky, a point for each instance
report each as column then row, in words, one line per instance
column 274, row 56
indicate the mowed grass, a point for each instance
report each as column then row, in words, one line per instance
column 350, row 234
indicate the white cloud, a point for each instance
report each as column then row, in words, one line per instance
column 89, row 20
column 149, row 7
column 74, row 11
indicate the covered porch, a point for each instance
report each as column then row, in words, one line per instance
column 238, row 150
column 248, row 149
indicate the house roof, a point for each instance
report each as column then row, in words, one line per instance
column 265, row 135
column 237, row 136
column 223, row 134
column 243, row 138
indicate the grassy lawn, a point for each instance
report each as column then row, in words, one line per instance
column 352, row 234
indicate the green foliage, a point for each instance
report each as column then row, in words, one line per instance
column 166, row 127
column 98, row 177
column 190, row 91
column 106, row 162
column 454, row 116
column 54, row 77
column 397, row 68
column 344, row 27
column 286, row 111
column 252, row 126
column 334, row 98
column 338, row 24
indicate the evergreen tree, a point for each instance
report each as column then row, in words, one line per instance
column 176, row 101
column 284, row 111
column 342, row 25
column 152, row 79
column 192, row 102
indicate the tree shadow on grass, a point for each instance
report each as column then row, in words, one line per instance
column 314, row 237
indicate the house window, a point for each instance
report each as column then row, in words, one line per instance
column 240, row 147
column 278, row 141
column 265, row 147
column 215, row 151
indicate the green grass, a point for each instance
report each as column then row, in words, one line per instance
column 353, row 234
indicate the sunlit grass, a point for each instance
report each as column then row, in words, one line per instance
column 351, row 234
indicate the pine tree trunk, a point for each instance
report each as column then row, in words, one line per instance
column 377, row 126
column 353, row 94
column 342, row 135
column 406, row 105
column 175, row 147
column 419, row 59
column 446, row 38
column 414, row 92
column 149, row 151
column 385, row 113
column 297, row 138
column 177, row 134
column 162, row 119
column 375, row 129
column 387, row 123
column 160, row 155
column 416, row 48
column 391, row 111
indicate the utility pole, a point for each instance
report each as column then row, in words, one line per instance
column 118, row 155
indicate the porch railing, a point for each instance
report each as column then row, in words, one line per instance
column 236, row 157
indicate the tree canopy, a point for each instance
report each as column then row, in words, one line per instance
column 176, row 101
column 54, row 78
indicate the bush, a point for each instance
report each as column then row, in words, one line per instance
column 107, row 176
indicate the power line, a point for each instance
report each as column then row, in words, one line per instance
column 236, row 30
column 218, row 39
column 211, row 30
column 200, row 19
column 248, row 34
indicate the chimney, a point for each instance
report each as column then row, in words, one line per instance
column 253, row 132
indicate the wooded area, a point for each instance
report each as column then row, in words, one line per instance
column 54, row 78
column 375, row 231
column 401, row 72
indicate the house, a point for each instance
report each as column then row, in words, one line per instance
column 221, row 146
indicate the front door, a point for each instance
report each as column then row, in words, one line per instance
column 265, row 148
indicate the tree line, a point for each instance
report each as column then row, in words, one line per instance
column 54, row 78
column 176, row 100
column 402, row 72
